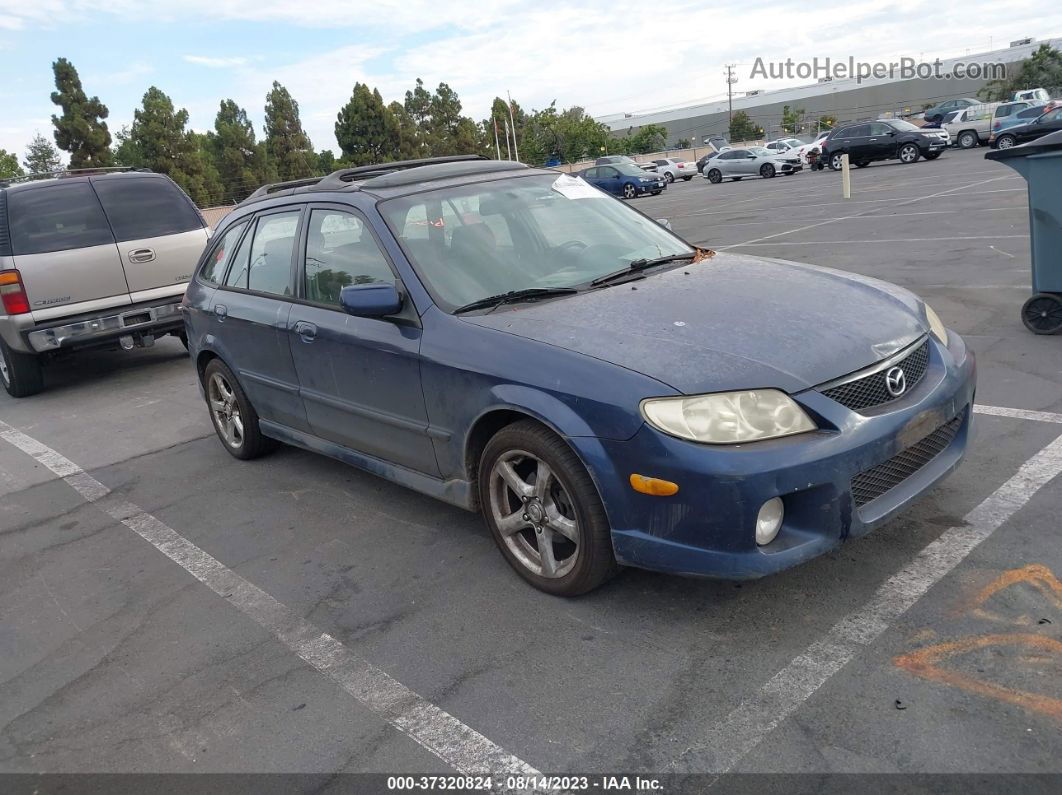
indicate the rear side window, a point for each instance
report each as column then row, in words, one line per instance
column 222, row 255
column 56, row 218
column 143, row 207
column 274, row 241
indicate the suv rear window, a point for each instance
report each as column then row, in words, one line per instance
column 56, row 218
column 143, row 207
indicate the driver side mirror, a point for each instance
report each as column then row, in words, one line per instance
column 370, row 300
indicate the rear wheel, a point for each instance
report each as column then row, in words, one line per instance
column 234, row 418
column 714, row 176
column 909, row 153
column 687, row 179
column 767, row 171
column 20, row 373
column 835, row 162
column 1042, row 314
column 669, row 177
column 544, row 512
column 967, row 139
column 1006, row 141
column 862, row 164
column 629, row 191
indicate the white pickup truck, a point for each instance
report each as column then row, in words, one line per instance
column 973, row 125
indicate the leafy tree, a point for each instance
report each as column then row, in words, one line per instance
column 288, row 145
column 649, row 138
column 366, row 129
column 9, row 166
column 233, row 151
column 1042, row 69
column 792, row 118
column 450, row 132
column 158, row 140
column 418, row 105
column 682, row 143
column 326, row 162
column 743, row 129
column 41, row 156
column 81, row 130
column 410, row 145
column 827, row 122
column 125, row 152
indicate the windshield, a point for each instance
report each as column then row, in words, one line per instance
column 759, row 150
column 473, row 241
column 629, row 169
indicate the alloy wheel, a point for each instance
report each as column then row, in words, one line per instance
column 534, row 514
column 628, row 191
column 909, row 154
column 1006, row 142
column 5, row 374
column 225, row 410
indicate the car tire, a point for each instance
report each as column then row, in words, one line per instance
column 767, row 171
column 1006, row 142
column 862, row 164
column 564, row 547
column 686, row 179
column 835, row 162
column 20, row 373
column 714, row 176
column 909, row 153
column 1042, row 314
column 234, row 418
column 967, row 139
column 669, row 177
column 629, row 191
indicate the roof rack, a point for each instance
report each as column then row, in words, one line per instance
column 276, row 187
column 342, row 178
column 70, row 172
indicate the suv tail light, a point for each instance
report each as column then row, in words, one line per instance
column 13, row 294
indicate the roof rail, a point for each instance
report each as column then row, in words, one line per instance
column 69, row 172
column 274, row 187
column 344, row 176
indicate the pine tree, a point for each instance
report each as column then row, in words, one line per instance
column 41, row 156
column 410, row 147
column 81, row 130
column 288, row 146
column 366, row 130
column 9, row 166
column 234, row 151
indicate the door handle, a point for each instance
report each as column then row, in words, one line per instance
column 141, row 255
column 221, row 311
column 306, row 331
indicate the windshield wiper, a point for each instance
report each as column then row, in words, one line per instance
column 639, row 265
column 513, row 296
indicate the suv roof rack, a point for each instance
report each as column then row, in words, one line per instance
column 277, row 187
column 70, row 172
column 342, row 178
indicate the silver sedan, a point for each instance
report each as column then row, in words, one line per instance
column 755, row 161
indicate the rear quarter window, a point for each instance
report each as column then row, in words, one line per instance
column 56, row 218
column 145, row 207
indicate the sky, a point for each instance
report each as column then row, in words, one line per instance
column 608, row 56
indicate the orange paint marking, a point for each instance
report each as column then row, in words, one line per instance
column 1039, row 577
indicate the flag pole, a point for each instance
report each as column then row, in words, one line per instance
column 511, row 119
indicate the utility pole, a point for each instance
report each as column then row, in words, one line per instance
column 516, row 150
column 730, row 80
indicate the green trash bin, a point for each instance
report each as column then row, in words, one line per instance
column 1040, row 162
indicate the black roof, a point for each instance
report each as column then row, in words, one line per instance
column 72, row 175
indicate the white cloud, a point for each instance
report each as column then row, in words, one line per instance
column 213, row 62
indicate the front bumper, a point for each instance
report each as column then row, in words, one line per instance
column 707, row 528
column 649, row 187
column 84, row 332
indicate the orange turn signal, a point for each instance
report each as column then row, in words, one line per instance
column 654, row 487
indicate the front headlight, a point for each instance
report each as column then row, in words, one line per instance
column 935, row 326
column 646, row 179
column 728, row 417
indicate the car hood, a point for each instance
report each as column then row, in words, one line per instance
column 728, row 322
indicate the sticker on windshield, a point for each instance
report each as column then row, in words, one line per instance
column 576, row 188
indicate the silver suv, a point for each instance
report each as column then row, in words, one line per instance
column 89, row 259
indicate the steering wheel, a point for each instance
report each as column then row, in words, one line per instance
column 574, row 245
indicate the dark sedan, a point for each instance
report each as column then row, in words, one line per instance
column 1023, row 133
column 624, row 180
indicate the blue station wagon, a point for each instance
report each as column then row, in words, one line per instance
column 511, row 340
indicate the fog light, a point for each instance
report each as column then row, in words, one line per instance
column 769, row 521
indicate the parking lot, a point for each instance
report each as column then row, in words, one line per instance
column 168, row 608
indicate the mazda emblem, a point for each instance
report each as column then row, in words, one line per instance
column 895, row 382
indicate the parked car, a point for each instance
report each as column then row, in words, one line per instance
column 736, row 164
column 671, row 169
column 783, row 145
column 937, row 112
column 468, row 329
column 888, row 139
column 1025, row 116
column 1039, row 95
column 1045, row 123
column 623, row 179
column 615, row 159
column 90, row 258
column 705, row 158
column 803, row 150
column 973, row 125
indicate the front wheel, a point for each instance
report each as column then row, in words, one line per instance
column 1006, row 141
column 669, row 177
column 686, row 179
column 909, row 153
column 20, row 373
column 967, row 139
column 767, row 171
column 835, row 162
column 544, row 512
column 715, row 176
column 1042, row 314
column 629, row 191
column 234, row 418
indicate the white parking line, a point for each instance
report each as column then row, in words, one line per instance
column 879, row 240
column 728, row 741
column 1019, row 414
column 461, row 747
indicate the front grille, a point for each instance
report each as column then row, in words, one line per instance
column 870, row 391
column 872, row 483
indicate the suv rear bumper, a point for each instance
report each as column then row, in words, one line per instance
column 155, row 318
